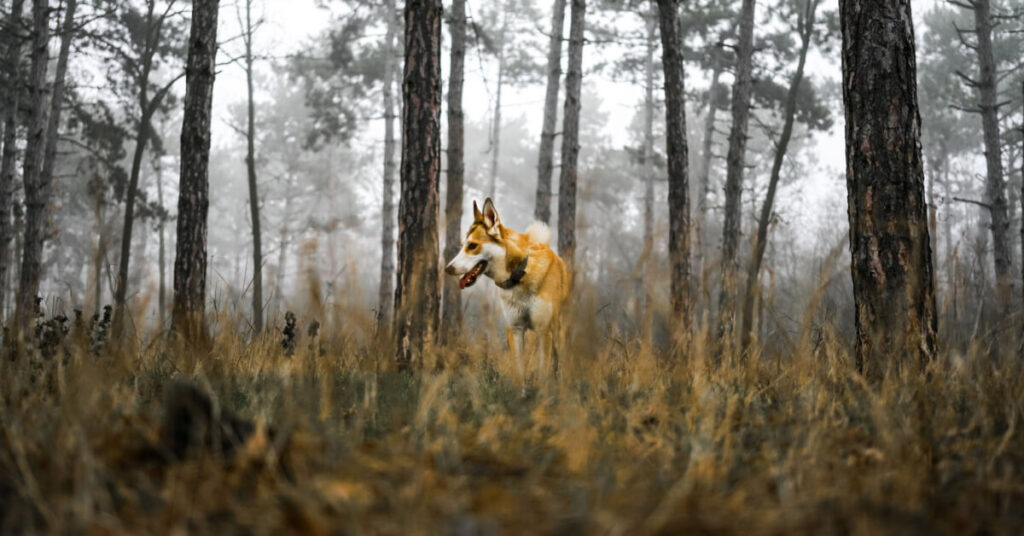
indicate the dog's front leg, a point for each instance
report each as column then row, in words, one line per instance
column 516, row 339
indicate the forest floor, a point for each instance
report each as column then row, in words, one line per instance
column 625, row 441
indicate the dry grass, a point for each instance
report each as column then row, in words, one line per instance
column 627, row 441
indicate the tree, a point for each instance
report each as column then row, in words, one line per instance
column 193, row 183
column 546, row 153
column 987, row 86
column 248, row 29
column 12, row 100
column 735, row 161
column 417, row 292
column 34, row 184
column 805, row 29
column 678, row 170
column 889, row 241
column 570, row 135
column 452, row 303
column 385, row 291
column 140, row 43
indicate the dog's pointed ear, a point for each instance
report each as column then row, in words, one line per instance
column 491, row 219
column 477, row 215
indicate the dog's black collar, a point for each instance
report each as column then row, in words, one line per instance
column 517, row 275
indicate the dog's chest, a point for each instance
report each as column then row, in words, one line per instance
column 524, row 310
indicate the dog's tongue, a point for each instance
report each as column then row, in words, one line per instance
column 469, row 278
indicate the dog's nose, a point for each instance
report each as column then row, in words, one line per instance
column 449, row 269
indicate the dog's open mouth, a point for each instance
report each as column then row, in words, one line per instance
column 469, row 278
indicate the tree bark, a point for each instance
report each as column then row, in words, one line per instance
column 570, row 135
column 194, row 188
column 34, row 184
column 889, row 242
column 805, row 29
column 650, row 23
column 704, row 184
column 995, row 188
column 162, row 255
column 250, row 165
column 546, row 153
column 417, row 292
column 735, row 160
column 385, row 292
column 496, row 127
column 452, row 301
column 10, row 149
column 678, row 167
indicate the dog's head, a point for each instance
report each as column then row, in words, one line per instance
column 483, row 250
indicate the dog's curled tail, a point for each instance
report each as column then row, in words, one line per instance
column 539, row 233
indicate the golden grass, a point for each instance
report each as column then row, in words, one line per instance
column 627, row 441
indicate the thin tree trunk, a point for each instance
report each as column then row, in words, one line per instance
column 731, row 228
column 889, row 243
column 35, row 195
column 644, row 263
column 162, row 256
column 678, row 166
column 250, row 164
column 417, row 292
column 546, row 154
column 570, row 135
column 10, row 149
column 385, row 292
column 452, row 302
column 805, row 29
column 194, row 189
column 704, row 184
column 496, row 127
column 995, row 189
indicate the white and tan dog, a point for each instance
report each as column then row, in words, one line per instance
column 533, row 280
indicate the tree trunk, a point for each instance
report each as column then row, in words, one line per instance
column 649, row 135
column 417, row 293
column 385, row 291
column 194, row 188
column 704, row 184
column 496, row 127
column 546, row 154
column 805, row 29
column 678, row 167
column 570, row 135
column 735, row 160
column 10, row 149
column 250, row 164
column 452, row 301
column 162, row 255
column 1021, row 201
column 889, row 243
column 995, row 188
column 35, row 195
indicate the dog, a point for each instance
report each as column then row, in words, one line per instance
column 534, row 282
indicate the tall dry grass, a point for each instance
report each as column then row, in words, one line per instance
column 630, row 438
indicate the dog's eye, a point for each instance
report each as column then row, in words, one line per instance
column 471, row 246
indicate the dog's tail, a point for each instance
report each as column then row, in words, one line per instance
column 539, row 233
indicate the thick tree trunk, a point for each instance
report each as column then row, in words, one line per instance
column 417, row 292
column 194, row 188
column 889, row 243
column 10, row 149
column 385, row 291
column 678, row 166
column 735, row 161
column 250, row 165
column 571, row 135
column 546, row 154
column 995, row 188
column 496, row 126
column 35, row 194
column 805, row 29
column 452, row 301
